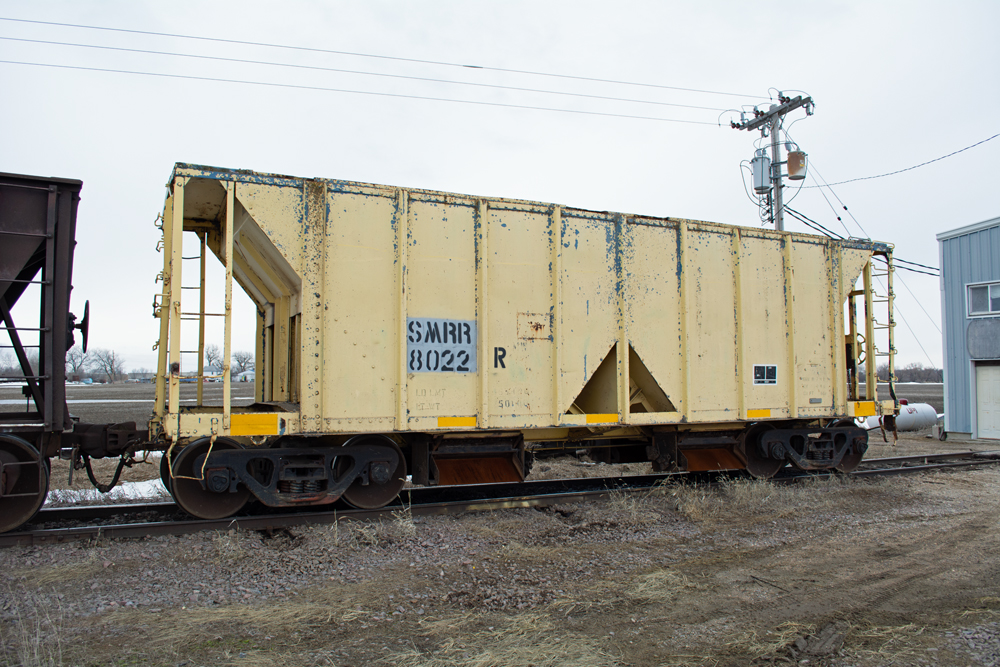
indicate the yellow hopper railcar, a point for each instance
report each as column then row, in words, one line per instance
column 406, row 332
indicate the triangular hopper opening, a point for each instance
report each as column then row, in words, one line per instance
column 645, row 394
column 600, row 394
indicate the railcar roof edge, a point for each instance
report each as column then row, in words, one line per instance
column 249, row 176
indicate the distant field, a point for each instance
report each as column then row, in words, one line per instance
column 115, row 403
column 917, row 392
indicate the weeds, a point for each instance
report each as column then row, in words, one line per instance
column 229, row 546
column 760, row 499
column 32, row 640
column 518, row 641
column 399, row 530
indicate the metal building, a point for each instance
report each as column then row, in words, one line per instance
column 970, row 305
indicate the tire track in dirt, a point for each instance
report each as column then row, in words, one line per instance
column 902, row 579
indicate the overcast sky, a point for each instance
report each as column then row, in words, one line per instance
column 895, row 84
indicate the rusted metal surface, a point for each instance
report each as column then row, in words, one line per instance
column 479, row 470
column 704, row 460
column 37, row 230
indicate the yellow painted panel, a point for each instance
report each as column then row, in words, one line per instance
column 758, row 414
column 813, row 346
column 602, row 419
column 253, row 424
column 441, row 284
column 519, row 280
column 589, row 325
column 764, row 321
column 456, row 422
column 274, row 208
column 864, row 409
column 853, row 261
column 360, row 306
column 653, row 307
column 711, row 322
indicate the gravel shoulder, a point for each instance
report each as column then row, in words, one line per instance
column 876, row 572
column 898, row 571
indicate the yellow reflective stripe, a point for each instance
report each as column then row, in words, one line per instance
column 602, row 419
column 758, row 414
column 864, row 409
column 455, row 422
column 253, row 424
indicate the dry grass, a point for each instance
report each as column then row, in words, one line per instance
column 30, row 638
column 229, row 547
column 365, row 535
column 656, row 587
column 524, row 640
column 771, row 643
column 889, row 644
column 45, row 575
column 660, row 586
column 759, row 499
column 636, row 509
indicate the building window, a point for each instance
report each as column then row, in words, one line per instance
column 984, row 299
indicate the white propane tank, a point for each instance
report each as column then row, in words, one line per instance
column 912, row 417
column 761, row 165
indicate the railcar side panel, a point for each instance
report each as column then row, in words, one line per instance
column 402, row 310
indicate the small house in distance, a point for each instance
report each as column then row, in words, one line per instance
column 970, row 305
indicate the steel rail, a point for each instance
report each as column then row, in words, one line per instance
column 422, row 501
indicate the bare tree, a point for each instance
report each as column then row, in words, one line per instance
column 242, row 362
column 213, row 357
column 77, row 360
column 8, row 365
column 110, row 363
column 917, row 372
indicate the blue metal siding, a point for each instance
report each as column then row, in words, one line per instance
column 970, row 258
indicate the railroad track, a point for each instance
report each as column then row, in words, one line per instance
column 139, row 520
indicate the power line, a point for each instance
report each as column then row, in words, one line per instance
column 360, row 72
column 917, row 166
column 918, row 302
column 932, row 268
column 917, row 340
column 840, row 201
column 906, row 268
column 358, row 92
column 812, row 223
column 380, row 57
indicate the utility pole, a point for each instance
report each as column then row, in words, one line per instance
column 770, row 121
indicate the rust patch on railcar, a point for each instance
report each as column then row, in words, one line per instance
column 477, row 470
column 704, row 460
column 534, row 326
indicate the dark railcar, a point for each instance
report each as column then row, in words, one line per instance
column 37, row 237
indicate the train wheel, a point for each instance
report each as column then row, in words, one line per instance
column 853, row 458
column 758, row 465
column 373, row 495
column 187, row 490
column 24, row 482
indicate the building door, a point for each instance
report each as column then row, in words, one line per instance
column 988, row 399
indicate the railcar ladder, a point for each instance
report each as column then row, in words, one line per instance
column 865, row 346
column 168, row 308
